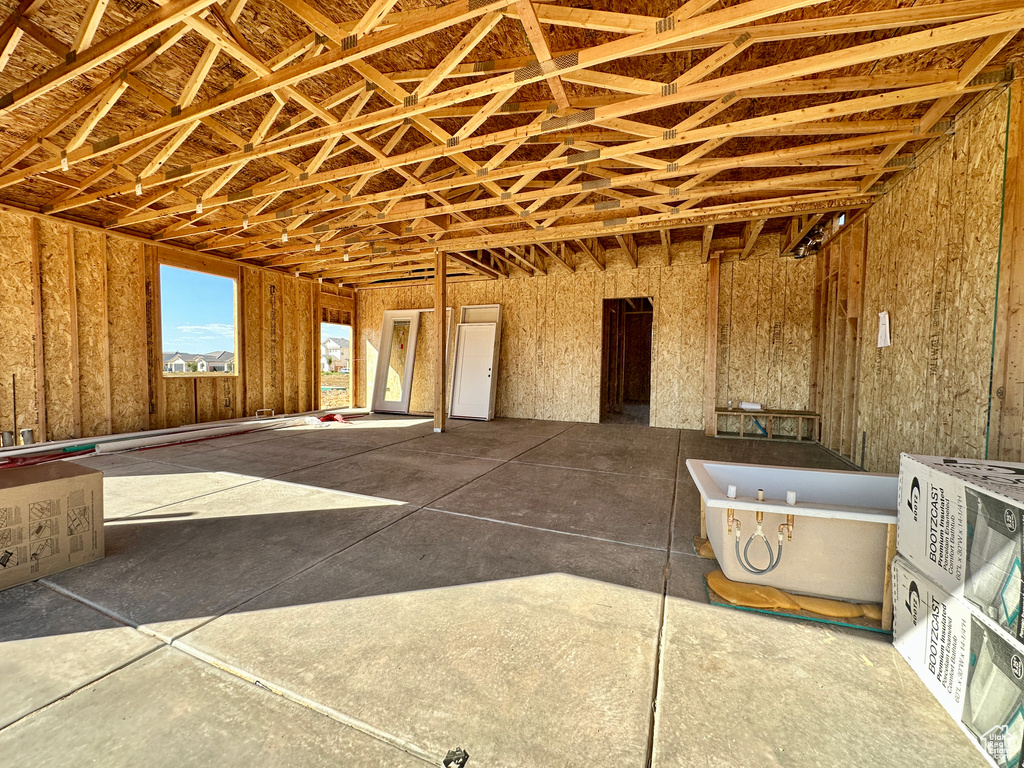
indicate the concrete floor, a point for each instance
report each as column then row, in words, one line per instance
column 375, row 594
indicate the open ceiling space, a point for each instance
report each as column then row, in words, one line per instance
column 516, row 137
column 572, row 383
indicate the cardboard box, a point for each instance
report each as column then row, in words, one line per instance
column 51, row 519
column 973, row 670
column 960, row 523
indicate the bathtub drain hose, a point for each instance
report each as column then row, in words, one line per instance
column 744, row 557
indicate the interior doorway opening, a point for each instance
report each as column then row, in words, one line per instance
column 627, row 344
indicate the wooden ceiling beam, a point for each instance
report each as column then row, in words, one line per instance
column 625, row 223
column 87, row 30
column 717, row 132
column 628, row 244
column 11, row 32
column 418, row 25
column 705, row 244
column 590, row 253
column 701, row 166
column 799, row 68
column 750, row 233
column 731, row 212
column 110, row 47
column 541, row 51
column 741, row 127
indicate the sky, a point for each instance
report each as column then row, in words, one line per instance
column 338, row 331
column 197, row 311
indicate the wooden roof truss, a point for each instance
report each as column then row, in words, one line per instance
column 360, row 207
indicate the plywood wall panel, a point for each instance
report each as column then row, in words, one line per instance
column 273, row 347
column 126, row 327
column 81, row 324
column 17, row 326
column 93, row 338
column 289, row 350
column 304, row 317
column 742, row 372
column 253, row 321
column 180, row 401
column 725, row 294
column 550, row 358
column 205, row 393
column 977, row 291
column 796, row 341
column 932, row 254
column 60, row 331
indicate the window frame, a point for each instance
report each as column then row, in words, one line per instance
column 213, row 268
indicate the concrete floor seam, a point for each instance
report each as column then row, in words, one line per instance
column 584, row 469
column 175, row 643
column 84, row 685
column 190, row 498
column 285, row 693
column 498, row 464
column 94, row 606
column 288, row 471
column 291, row 576
column 544, row 530
column 666, row 575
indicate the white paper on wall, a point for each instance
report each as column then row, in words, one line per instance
column 883, row 329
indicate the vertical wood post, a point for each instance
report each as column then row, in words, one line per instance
column 354, row 358
column 1006, row 418
column 316, row 314
column 108, row 383
column 76, row 384
column 711, row 351
column 37, row 303
column 440, row 325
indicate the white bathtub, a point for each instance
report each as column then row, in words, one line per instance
column 839, row 532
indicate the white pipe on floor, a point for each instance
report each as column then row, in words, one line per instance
column 244, row 424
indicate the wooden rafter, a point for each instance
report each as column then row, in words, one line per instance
column 374, row 171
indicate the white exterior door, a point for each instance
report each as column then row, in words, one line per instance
column 474, row 368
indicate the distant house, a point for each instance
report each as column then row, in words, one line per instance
column 211, row 362
column 334, row 354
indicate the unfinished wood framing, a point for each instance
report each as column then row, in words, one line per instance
column 321, row 163
column 931, row 258
column 1006, row 423
column 440, row 341
column 84, row 323
column 555, row 156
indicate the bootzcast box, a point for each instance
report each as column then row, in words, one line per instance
column 960, row 523
column 970, row 667
column 51, row 519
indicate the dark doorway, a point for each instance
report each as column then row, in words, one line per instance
column 627, row 334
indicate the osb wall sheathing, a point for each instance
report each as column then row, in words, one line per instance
column 764, row 331
column 17, row 326
column 550, row 362
column 838, row 327
column 93, row 338
column 277, row 341
column 126, row 320
column 94, row 367
column 933, row 248
column 60, row 321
